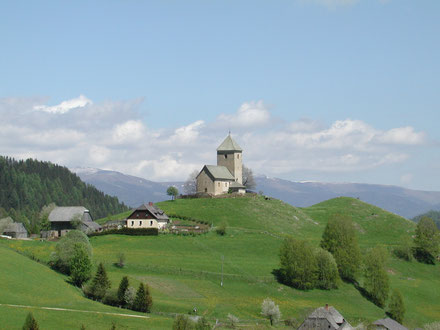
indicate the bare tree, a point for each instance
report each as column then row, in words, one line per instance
column 248, row 178
column 190, row 185
column 271, row 311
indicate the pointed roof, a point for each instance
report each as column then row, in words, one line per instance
column 229, row 145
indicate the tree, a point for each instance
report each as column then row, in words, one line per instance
column 182, row 322
column 298, row 264
column 4, row 223
column 248, row 178
column 233, row 320
column 327, row 270
column 427, row 241
column 202, row 324
column 143, row 300
column 64, row 250
column 30, row 323
column 376, row 281
column 396, row 307
column 129, row 296
column 339, row 238
column 122, row 290
column 270, row 311
column 190, row 185
column 80, row 265
column 100, row 283
column 173, row 192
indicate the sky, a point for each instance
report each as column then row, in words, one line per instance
column 312, row 90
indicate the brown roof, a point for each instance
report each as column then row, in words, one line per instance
column 154, row 210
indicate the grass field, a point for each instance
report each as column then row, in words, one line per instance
column 185, row 271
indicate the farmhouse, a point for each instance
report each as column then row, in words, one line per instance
column 227, row 175
column 16, row 230
column 147, row 216
column 325, row 318
column 65, row 218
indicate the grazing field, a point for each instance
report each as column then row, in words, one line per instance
column 185, row 272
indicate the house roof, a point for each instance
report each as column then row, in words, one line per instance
column 236, row 185
column 15, row 227
column 229, row 145
column 390, row 324
column 92, row 224
column 154, row 210
column 336, row 320
column 219, row 172
column 67, row 213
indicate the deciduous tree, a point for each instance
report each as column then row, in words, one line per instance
column 376, row 281
column 248, row 178
column 173, row 192
column 190, row 185
column 340, row 239
column 396, row 306
column 327, row 270
column 270, row 311
column 80, row 265
column 427, row 241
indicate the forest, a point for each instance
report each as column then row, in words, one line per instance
column 26, row 186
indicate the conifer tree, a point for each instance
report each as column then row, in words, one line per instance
column 396, row 307
column 30, row 323
column 100, row 283
column 143, row 301
column 123, row 286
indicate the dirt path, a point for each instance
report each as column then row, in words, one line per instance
column 75, row 310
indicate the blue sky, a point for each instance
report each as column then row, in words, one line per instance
column 349, row 89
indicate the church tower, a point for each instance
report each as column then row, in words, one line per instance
column 229, row 155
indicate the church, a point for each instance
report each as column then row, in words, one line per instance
column 227, row 175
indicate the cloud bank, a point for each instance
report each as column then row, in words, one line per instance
column 112, row 135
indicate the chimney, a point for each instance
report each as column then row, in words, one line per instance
column 150, row 203
column 326, row 307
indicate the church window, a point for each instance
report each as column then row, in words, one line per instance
column 226, row 184
column 238, row 156
column 219, row 184
column 226, row 156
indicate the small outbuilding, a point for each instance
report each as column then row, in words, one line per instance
column 388, row 324
column 325, row 318
column 16, row 230
column 147, row 216
column 65, row 218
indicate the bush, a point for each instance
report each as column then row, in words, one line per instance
column 128, row 231
column 111, row 298
column 221, row 229
column 182, row 322
column 64, row 250
column 233, row 320
column 404, row 252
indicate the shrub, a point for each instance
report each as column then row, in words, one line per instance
column 233, row 320
column 270, row 311
column 404, row 252
column 182, row 322
column 202, row 324
column 64, row 250
column 221, row 229
column 111, row 298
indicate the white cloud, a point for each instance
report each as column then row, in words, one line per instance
column 250, row 114
column 65, row 106
column 111, row 135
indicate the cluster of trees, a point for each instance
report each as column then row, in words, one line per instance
column 434, row 215
column 339, row 256
column 427, row 241
column 28, row 185
column 140, row 300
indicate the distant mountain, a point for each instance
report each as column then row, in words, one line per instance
column 405, row 202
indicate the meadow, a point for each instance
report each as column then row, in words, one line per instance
column 185, row 272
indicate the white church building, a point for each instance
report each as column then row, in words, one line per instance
column 227, row 175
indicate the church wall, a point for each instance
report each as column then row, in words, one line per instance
column 204, row 181
column 221, row 187
column 233, row 162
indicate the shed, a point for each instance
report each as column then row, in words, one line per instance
column 61, row 219
column 388, row 323
column 325, row 318
column 16, row 230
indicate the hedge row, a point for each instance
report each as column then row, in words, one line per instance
column 184, row 217
column 129, row 231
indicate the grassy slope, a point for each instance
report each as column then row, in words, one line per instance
column 32, row 284
column 185, row 272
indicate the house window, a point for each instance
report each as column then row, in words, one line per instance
column 151, row 222
column 132, row 223
column 140, row 223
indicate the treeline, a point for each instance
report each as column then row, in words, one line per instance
column 28, row 185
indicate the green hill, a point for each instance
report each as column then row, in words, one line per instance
column 185, row 271
column 26, row 186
